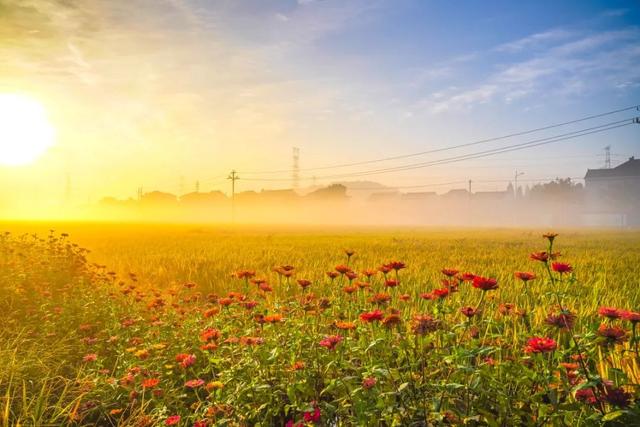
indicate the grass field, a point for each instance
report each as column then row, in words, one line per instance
column 162, row 330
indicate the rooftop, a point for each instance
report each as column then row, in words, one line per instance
column 627, row 169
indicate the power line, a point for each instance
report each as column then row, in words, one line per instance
column 515, row 147
column 483, row 141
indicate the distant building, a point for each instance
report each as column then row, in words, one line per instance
column 613, row 195
column 419, row 195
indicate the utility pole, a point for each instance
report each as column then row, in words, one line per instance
column 233, row 176
column 515, row 188
column 140, row 193
column 469, row 188
column 197, row 186
column 607, row 157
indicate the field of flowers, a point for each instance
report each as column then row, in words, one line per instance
column 194, row 327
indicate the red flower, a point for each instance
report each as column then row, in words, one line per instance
column 561, row 267
column 330, row 342
column 609, row 312
column 525, row 276
column 172, row 420
column 539, row 256
column 441, row 293
column 332, row 274
column 369, row 382
column 540, row 345
column 304, row 283
column 351, row 275
column 612, row 334
column 449, row 272
column 396, row 265
column 485, row 283
column 312, row 417
column 372, row 316
column 563, row 320
column 586, row 395
column 468, row 311
column 550, row 236
column 631, row 316
column 391, row 283
column 467, row 277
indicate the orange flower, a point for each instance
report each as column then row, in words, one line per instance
column 380, row 298
column 210, row 334
column 245, row 274
column 273, row 318
column 297, row 366
column 343, row 269
column 344, row 325
column 350, row 289
column 210, row 346
column 150, row 382
column 392, row 320
column 211, row 312
column 225, row 301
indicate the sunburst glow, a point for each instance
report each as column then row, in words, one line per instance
column 25, row 131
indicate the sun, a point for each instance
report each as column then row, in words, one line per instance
column 25, row 130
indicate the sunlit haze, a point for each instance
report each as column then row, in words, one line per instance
column 172, row 95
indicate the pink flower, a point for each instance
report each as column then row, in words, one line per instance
column 330, row 342
column 194, row 383
column 91, row 357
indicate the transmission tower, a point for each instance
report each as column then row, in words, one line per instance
column 295, row 170
column 197, row 186
column 607, row 157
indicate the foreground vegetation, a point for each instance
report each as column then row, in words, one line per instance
column 255, row 328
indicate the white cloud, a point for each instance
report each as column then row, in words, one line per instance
column 607, row 60
column 535, row 40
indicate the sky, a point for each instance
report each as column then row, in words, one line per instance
column 164, row 93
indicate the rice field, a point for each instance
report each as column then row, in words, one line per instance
column 198, row 326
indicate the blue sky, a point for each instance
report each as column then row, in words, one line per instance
column 194, row 88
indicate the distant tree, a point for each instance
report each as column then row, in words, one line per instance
column 334, row 191
column 557, row 190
